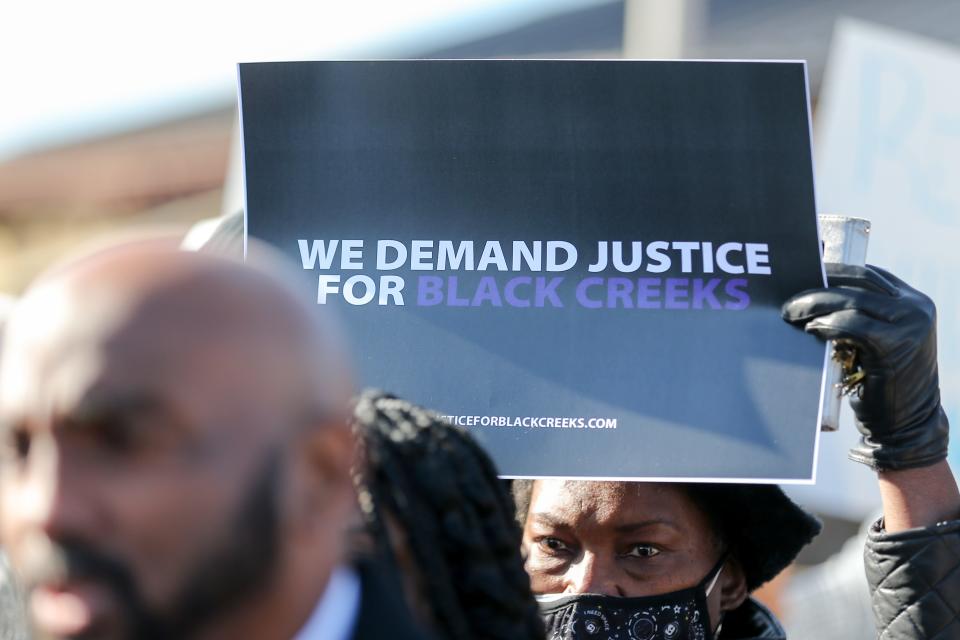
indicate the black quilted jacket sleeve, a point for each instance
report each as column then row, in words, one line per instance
column 914, row 579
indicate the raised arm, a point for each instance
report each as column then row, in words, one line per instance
column 888, row 330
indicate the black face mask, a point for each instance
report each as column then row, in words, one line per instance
column 680, row 615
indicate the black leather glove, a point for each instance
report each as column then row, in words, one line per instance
column 894, row 329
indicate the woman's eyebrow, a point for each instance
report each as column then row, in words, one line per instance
column 631, row 527
column 548, row 520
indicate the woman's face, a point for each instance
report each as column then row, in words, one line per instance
column 627, row 539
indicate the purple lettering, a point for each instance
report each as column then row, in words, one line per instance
column 509, row 291
column 737, row 289
column 429, row 291
column 619, row 289
column 677, row 292
column 487, row 291
column 582, row 297
column 648, row 293
column 452, row 299
column 705, row 293
column 547, row 290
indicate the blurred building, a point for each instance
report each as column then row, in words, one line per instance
column 166, row 176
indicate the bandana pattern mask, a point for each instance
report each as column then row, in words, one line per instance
column 680, row 615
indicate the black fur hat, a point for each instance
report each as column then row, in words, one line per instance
column 764, row 529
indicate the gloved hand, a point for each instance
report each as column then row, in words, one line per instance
column 893, row 328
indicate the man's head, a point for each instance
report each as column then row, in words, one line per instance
column 625, row 539
column 176, row 450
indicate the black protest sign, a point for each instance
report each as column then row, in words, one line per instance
column 580, row 262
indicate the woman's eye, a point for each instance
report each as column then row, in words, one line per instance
column 553, row 545
column 642, row 551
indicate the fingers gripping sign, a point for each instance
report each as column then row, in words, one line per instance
column 886, row 334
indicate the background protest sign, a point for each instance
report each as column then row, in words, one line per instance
column 888, row 149
column 581, row 262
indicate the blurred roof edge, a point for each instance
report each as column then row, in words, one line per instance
column 126, row 170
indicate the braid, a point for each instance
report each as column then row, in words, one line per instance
column 441, row 488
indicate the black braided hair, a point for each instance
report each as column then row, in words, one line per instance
column 435, row 482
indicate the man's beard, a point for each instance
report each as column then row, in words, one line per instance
column 237, row 566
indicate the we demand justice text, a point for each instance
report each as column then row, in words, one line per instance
column 634, row 275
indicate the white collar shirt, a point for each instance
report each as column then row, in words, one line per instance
column 335, row 615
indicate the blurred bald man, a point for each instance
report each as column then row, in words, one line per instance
column 178, row 456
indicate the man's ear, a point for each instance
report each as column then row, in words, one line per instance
column 732, row 585
column 330, row 450
column 325, row 454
